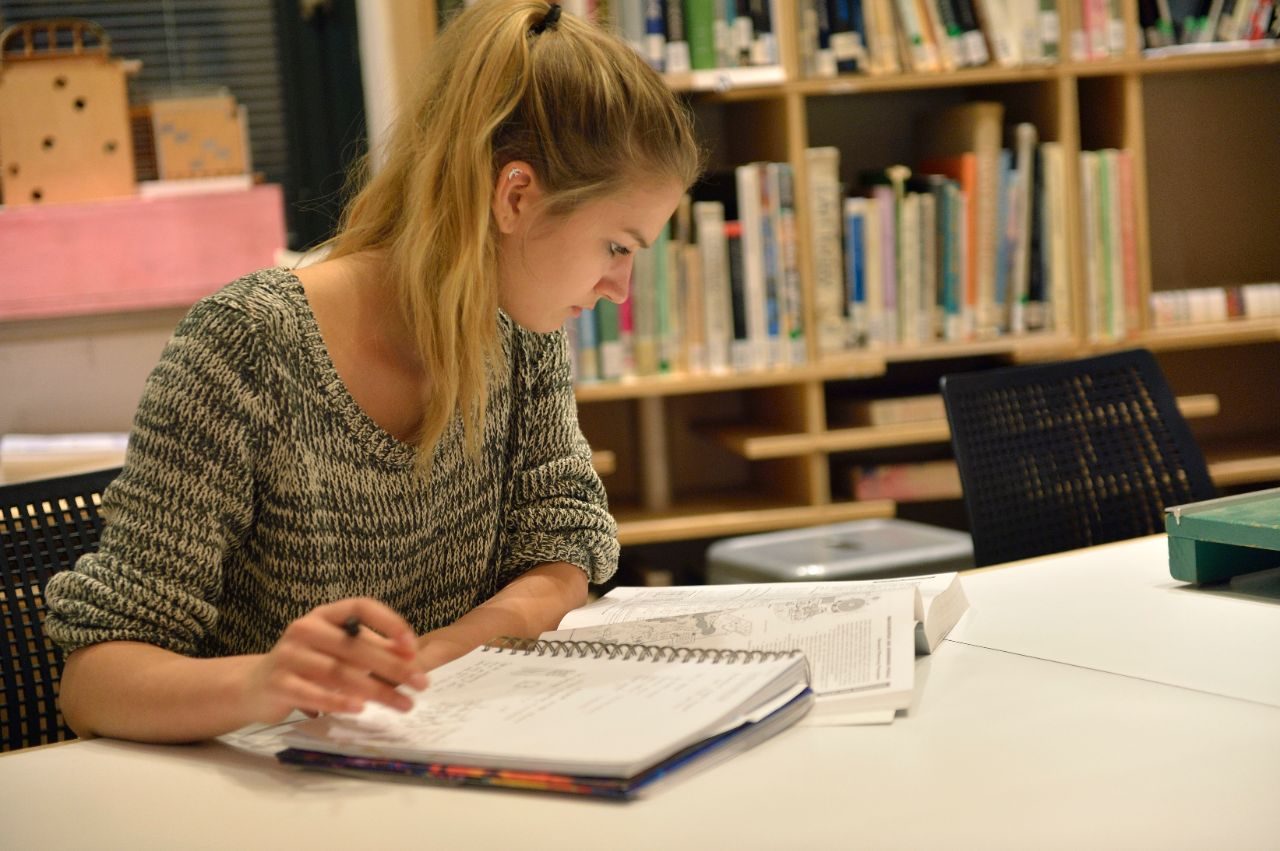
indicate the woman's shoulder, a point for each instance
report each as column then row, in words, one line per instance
column 260, row 294
column 266, row 300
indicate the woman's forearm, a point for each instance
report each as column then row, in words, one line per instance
column 529, row 605
column 131, row 690
column 335, row 658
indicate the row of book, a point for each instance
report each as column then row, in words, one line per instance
column 679, row 36
column 893, row 36
column 936, row 255
column 1175, row 308
column 1110, row 251
column 971, row 244
column 1168, row 24
column 718, row 291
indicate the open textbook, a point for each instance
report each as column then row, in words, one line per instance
column 566, row 717
column 860, row 637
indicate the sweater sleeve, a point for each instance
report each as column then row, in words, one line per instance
column 182, row 501
column 557, row 508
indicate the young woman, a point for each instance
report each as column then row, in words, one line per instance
column 341, row 477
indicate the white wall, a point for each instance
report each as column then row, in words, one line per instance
column 78, row 374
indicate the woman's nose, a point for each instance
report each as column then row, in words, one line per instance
column 616, row 285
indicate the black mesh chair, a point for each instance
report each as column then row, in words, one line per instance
column 1064, row 455
column 44, row 527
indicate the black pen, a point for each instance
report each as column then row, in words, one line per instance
column 351, row 626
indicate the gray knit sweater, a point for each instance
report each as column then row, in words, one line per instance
column 255, row 488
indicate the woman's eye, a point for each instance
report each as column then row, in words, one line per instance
column 618, row 250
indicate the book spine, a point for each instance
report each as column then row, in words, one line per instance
column 887, row 214
column 710, row 226
column 1037, row 253
column 951, row 225
column 610, row 340
column 743, row 34
column 1089, row 208
column 700, row 24
column 823, row 167
column 1062, row 314
column 631, row 23
column 655, row 36
column 664, row 284
column 677, row 59
column 627, row 332
column 755, row 285
column 693, row 340
column 1050, row 31
column 792, row 297
column 1004, row 243
column 927, row 321
column 1025, row 140
column 743, row 352
column 643, row 312
column 855, row 253
column 909, row 276
column 1129, row 242
column 588, row 347
column 764, row 42
column 771, row 247
column 1112, row 258
column 847, row 38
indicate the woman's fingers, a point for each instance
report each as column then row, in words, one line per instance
column 331, row 673
column 313, row 698
column 379, row 617
column 366, row 652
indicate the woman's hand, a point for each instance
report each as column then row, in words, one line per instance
column 317, row 666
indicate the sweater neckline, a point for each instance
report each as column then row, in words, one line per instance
column 381, row 444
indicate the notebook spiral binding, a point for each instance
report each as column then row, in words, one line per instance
column 650, row 652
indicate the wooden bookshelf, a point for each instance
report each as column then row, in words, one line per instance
column 1244, row 463
column 604, row 462
column 758, row 444
column 702, row 456
column 1236, row 332
column 721, row 515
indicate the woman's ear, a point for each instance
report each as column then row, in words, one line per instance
column 514, row 195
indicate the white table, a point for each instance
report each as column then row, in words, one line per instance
column 1001, row 750
column 1115, row 608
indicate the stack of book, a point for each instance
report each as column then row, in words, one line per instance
column 894, row 36
column 969, row 244
column 1214, row 304
column 1206, row 25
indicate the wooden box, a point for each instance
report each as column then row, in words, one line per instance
column 199, row 137
column 64, row 116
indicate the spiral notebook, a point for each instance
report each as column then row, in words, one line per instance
column 577, row 717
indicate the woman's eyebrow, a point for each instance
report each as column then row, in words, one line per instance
column 644, row 243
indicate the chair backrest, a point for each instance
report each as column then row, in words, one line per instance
column 1064, row 455
column 44, row 527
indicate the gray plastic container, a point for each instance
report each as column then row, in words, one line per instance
column 860, row 549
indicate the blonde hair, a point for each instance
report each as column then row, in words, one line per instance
column 576, row 103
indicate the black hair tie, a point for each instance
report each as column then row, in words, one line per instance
column 548, row 20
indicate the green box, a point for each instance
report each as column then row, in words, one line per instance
column 1214, row 540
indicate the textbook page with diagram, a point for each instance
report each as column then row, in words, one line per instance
column 857, row 635
column 859, row 646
